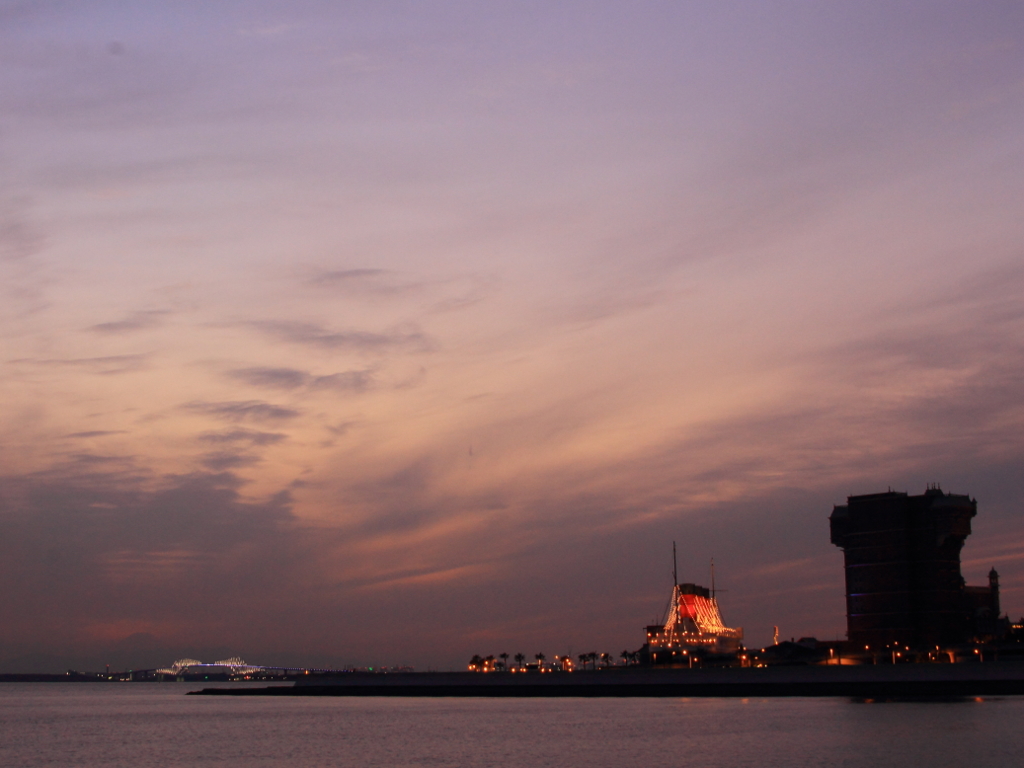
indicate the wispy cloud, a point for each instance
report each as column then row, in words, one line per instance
column 423, row 577
column 271, row 378
column 291, row 379
column 245, row 410
column 367, row 283
column 272, row 30
column 341, row 276
column 91, row 459
column 19, row 239
column 111, row 364
column 253, row 437
column 218, row 461
column 314, row 335
column 134, row 322
column 440, row 294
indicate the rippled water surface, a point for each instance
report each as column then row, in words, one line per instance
column 138, row 724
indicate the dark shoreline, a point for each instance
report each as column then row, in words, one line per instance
column 43, row 677
column 868, row 691
column 927, row 681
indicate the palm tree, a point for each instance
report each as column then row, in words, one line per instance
column 504, row 660
column 625, row 656
column 593, row 659
column 520, row 658
column 583, row 660
column 540, row 660
column 606, row 659
column 475, row 662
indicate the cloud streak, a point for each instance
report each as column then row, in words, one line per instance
column 253, row 437
column 243, row 410
column 106, row 366
column 291, row 379
column 19, row 239
column 136, row 321
column 311, row 334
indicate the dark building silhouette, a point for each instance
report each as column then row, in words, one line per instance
column 982, row 606
column 903, row 582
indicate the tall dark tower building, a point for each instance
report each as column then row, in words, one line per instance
column 902, row 553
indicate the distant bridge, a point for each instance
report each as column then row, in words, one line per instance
column 234, row 667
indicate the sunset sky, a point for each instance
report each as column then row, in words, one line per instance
column 394, row 332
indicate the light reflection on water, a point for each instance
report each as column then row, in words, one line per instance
column 141, row 725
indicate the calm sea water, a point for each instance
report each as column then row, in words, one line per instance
column 139, row 725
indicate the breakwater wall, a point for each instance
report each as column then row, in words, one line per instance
column 868, row 681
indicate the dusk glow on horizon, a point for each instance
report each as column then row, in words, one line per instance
column 397, row 332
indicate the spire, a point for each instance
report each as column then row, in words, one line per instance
column 675, row 569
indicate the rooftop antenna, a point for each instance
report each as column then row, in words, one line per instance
column 675, row 567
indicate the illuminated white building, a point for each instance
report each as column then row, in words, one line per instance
column 693, row 628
